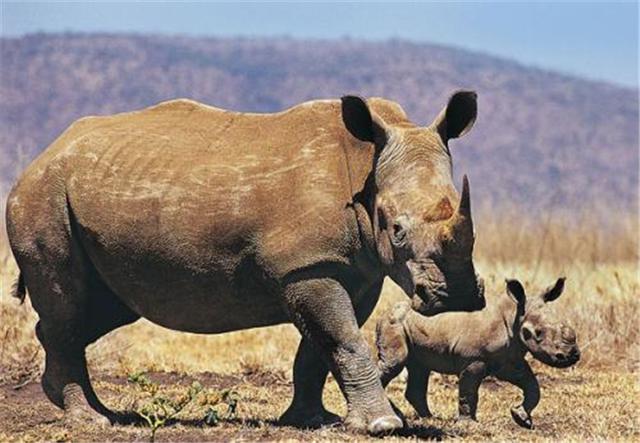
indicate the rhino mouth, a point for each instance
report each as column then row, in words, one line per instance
column 437, row 295
column 559, row 360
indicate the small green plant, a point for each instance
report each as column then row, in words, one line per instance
column 158, row 408
column 227, row 397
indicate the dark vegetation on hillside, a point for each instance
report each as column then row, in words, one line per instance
column 542, row 140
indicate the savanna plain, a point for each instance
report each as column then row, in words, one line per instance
column 234, row 386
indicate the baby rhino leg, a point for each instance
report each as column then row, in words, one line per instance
column 470, row 380
column 523, row 377
column 393, row 350
column 417, row 385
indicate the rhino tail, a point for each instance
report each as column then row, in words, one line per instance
column 19, row 290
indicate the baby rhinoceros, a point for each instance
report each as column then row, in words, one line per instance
column 472, row 345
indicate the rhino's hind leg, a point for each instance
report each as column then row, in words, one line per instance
column 66, row 380
column 75, row 308
column 64, row 333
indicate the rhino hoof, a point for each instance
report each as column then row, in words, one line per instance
column 309, row 420
column 82, row 416
column 464, row 418
column 521, row 417
column 385, row 425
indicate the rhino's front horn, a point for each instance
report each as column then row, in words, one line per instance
column 464, row 208
column 461, row 224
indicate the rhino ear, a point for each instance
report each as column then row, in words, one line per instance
column 515, row 289
column 553, row 292
column 458, row 117
column 361, row 123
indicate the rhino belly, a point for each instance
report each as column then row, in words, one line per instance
column 438, row 359
column 229, row 295
column 189, row 273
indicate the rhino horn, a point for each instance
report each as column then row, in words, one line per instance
column 460, row 226
column 464, row 208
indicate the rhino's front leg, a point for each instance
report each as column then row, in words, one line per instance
column 470, row 379
column 417, row 387
column 309, row 376
column 322, row 311
column 523, row 377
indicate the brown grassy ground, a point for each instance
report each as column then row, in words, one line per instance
column 598, row 399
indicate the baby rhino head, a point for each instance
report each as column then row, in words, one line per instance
column 542, row 331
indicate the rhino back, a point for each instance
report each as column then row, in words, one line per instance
column 181, row 198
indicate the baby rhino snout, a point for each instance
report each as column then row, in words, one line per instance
column 568, row 358
column 567, row 353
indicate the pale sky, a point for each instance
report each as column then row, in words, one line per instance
column 588, row 39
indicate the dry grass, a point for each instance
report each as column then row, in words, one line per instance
column 596, row 400
column 577, row 405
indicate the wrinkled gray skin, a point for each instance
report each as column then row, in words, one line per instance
column 473, row 345
column 205, row 220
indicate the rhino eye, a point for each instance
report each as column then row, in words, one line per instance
column 399, row 229
column 398, row 232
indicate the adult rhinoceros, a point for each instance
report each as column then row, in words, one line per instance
column 206, row 220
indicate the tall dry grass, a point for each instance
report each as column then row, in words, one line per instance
column 602, row 301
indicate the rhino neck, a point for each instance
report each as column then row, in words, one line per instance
column 360, row 159
column 363, row 205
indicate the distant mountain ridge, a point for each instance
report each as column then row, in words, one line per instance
column 541, row 140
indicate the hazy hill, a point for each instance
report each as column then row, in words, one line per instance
column 542, row 139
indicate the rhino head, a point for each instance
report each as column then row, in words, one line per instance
column 422, row 228
column 541, row 331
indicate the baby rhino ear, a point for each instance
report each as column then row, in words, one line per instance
column 515, row 289
column 554, row 291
